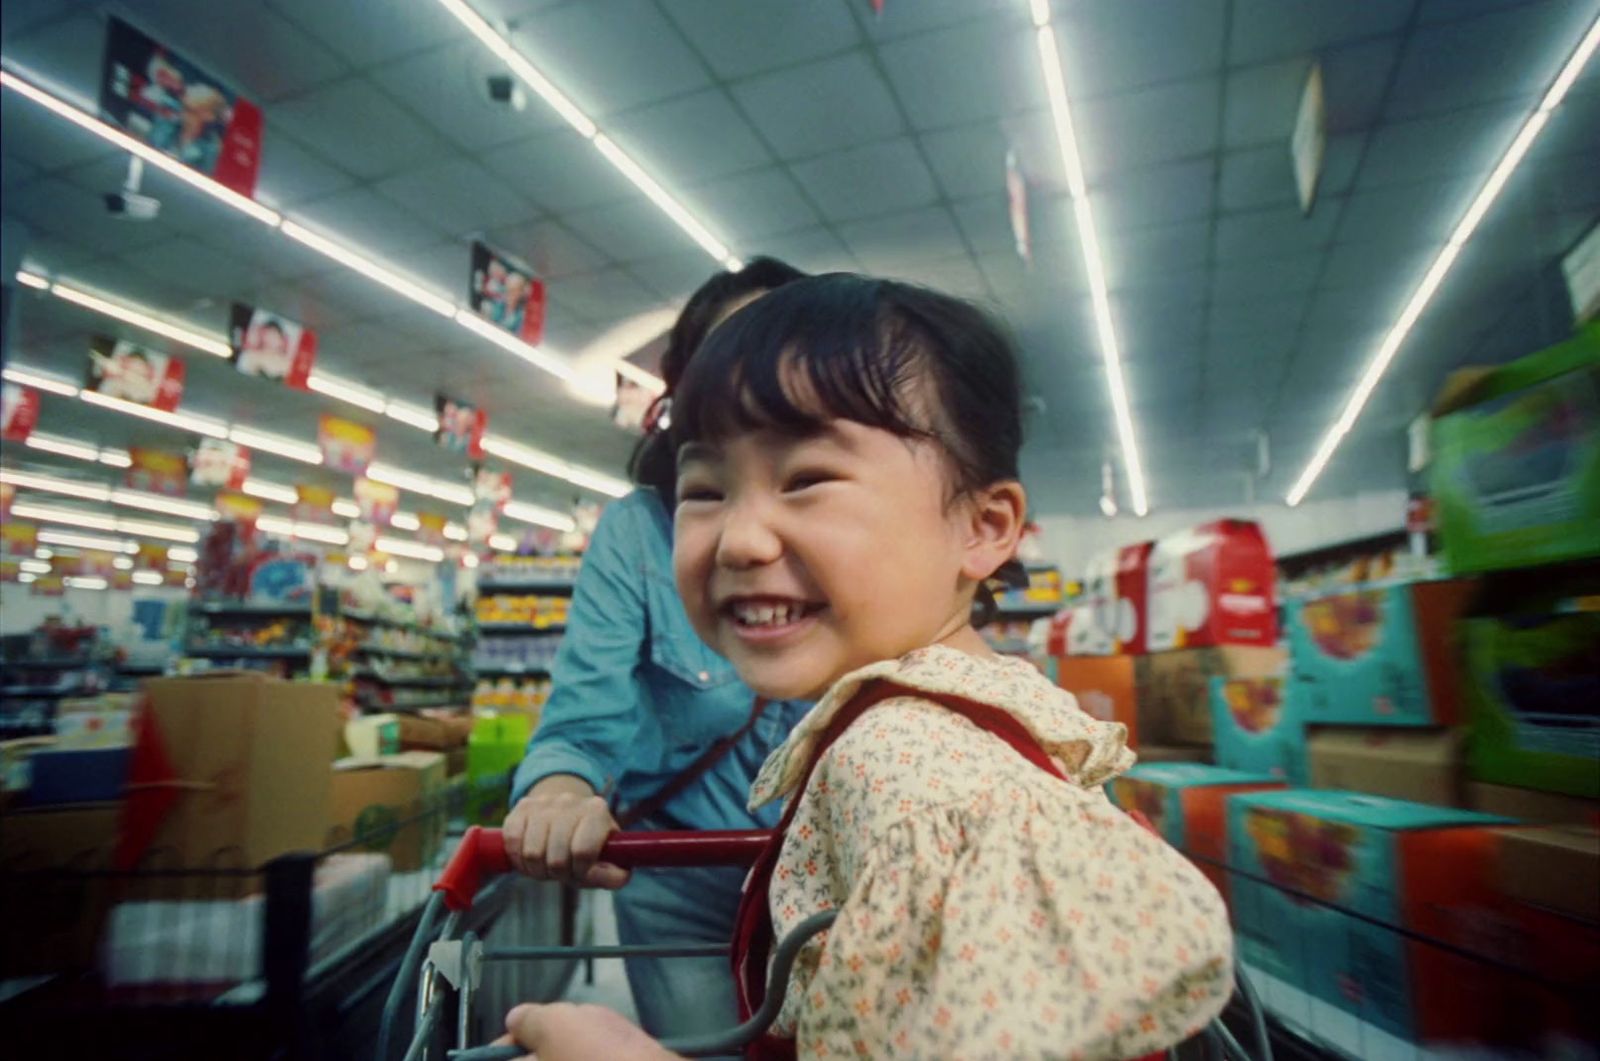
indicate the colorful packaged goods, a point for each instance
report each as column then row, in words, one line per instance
column 1420, row 765
column 1379, row 655
column 1335, row 897
column 493, row 752
column 1186, row 802
column 1174, row 688
column 1103, row 687
column 1257, row 727
column 1516, row 459
column 1131, row 626
column 1214, row 584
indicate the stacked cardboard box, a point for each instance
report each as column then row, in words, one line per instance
column 391, row 804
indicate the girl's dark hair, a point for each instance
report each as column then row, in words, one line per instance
column 654, row 461
column 851, row 347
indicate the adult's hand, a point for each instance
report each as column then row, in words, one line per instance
column 563, row 1031
column 556, row 831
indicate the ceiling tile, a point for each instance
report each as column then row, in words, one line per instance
column 291, row 174
column 52, row 254
column 970, row 160
column 1154, row 196
column 444, row 267
column 14, row 172
column 67, row 210
column 560, row 171
column 630, row 230
column 751, row 206
column 690, row 138
column 610, row 56
column 873, row 179
column 885, row 243
column 359, row 128
column 368, row 221
column 458, row 196
column 674, row 276
column 201, row 269
column 904, row 20
column 822, row 106
column 21, row 16
column 364, row 37
column 1278, row 233
column 1426, row 212
column 1146, row 127
column 1111, row 48
column 445, row 87
column 551, row 248
column 1346, row 314
column 66, row 52
column 1265, row 277
column 1007, row 80
column 1140, row 258
column 1460, row 143
column 1257, row 177
column 604, row 297
column 261, row 53
column 1257, row 320
column 45, row 141
column 1273, row 29
column 815, row 250
column 958, row 276
column 986, row 223
column 741, row 39
column 1388, row 263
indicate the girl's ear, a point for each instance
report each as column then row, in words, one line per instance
column 997, row 514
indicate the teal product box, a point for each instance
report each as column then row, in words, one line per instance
column 1516, row 459
column 1257, row 726
column 1325, row 881
column 1533, row 686
column 1380, row 655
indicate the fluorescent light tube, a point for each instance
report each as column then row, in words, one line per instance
column 543, row 517
column 167, row 505
column 406, row 521
column 412, row 415
column 270, row 491
column 345, row 391
column 283, row 447
column 413, row 550
column 148, row 578
column 182, row 555
column 27, row 377
column 86, row 541
column 353, row 259
column 200, row 425
column 347, row 509
column 511, row 344
column 139, row 318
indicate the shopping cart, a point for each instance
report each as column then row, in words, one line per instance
column 446, row 964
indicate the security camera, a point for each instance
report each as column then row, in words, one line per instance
column 128, row 203
column 131, row 206
column 504, row 91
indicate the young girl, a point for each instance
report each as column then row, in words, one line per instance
column 847, row 487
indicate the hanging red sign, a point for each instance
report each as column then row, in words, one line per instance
column 220, row 463
column 19, row 412
column 461, row 426
column 123, row 370
column 504, row 292
column 271, row 347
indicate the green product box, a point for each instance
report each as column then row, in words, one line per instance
column 493, row 751
column 1516, row 459
column 1533, row 686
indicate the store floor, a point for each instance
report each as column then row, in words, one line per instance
column 610, row 987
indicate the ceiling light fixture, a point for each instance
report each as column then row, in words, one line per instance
column 314, row 532
column 182, row 555
column 539, row 516
column 406, row 521
column 277, row 444
column 455, row 532
column 148, row 578
column 357, row 563
column 27, row 377
column 1440, row 268
column 24, row 86
column 33, row 280
column 497, row 335
column 122, row 563
column 412, row 416
column 347, row 509
column 504, row 543
column 1089, row 244
column 159, row 503
column 64, row 447
column 200, row 425
column 480, row 28
column 420, row 484
column 352, row 259
column 284, row 495
column 38, row 567
column 116, row 458
column 80, row 582
column 345, row 391
column 87, row 541
column 545, row 464
column 413, row 550
column 52, row 485
column 140, row 319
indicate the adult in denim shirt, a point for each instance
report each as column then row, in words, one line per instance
column 635, row 699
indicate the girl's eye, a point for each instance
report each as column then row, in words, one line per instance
column 805, row 480
column 687, row 494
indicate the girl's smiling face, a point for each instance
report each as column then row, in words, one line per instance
column 802, row 558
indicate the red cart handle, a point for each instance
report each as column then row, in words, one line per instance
column 482, row 854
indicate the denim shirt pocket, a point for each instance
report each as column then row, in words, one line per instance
column 698, row 694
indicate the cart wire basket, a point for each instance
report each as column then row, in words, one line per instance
column 446, row 964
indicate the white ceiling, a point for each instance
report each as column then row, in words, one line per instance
column 821, row 133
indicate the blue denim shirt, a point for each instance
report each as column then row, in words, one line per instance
column 636, row 696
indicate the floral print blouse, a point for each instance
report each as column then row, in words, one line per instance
column 988, row 909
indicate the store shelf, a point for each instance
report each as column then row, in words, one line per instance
column 419, row 682
column 535, row 586
column 400, row 624
column 520, row 628
column 413, row 705
column 511, row 672
column 140, row 669
column 401, row 653
column 50, row 663
column 244, row 609
column 224, row 652
column 44, row 692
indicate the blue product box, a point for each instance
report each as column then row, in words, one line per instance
column 1258, row 726
column 78, row 775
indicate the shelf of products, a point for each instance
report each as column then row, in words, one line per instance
column 528, row 574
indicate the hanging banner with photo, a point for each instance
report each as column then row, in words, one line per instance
column 362, row 538
column 632, row 404
column 504, row 292
column 377, row 501
column 19, row 412
column 150, row 557
column 313, row 504
column 161, row 98
column 1017, row 207
column 10, row 570
column 271, row 347
column 49, row 586
column 18, row 539
column 120, row 369
column 99, row 564
column 122, row 580
column 346, row 445
column 8, row 493
column 493, row 488
column 219, row 463
column 157, row 471
column 483, row 521
column 461, row 426
column 237, row 508
column 431, row 527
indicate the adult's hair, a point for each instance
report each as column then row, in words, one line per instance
column 890, row 355
column 654, row 461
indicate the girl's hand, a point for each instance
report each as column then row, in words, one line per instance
column 566, row 1032
column 556, row 831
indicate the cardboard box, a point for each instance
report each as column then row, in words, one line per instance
column 1307, row 860
column 1553, row 866
column 455, row 762
column 1214, row 584
column 1174, row 688
column 1186, row 802
column 1423, row 766
column 493, row 752
column 1515, row 475
column 1174, row 753
column 1531, row 805
column 1533, row 693
column 1257, row 727
column 229, row 770
column 370, row 735
column 1133, row 599
column 1378, row 656
column 51, row 922
column 391, row 804
column 1103, row 687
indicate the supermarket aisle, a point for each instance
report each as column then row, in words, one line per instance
column 610, row 987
